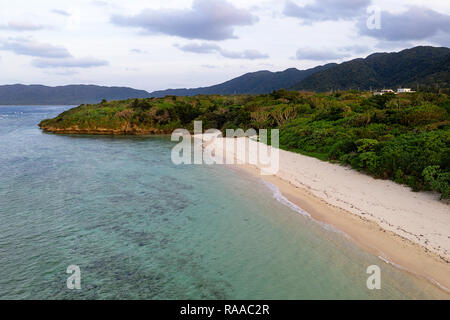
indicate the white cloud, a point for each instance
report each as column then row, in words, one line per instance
column 324, row 10
column 315, row 54
column 139, row 51
column 86, row 62
column 29, row 47
column 416, row 23
column 206, row 48
column 50, row 56
column 207, row 20
column 61, row 12
column 22, row 26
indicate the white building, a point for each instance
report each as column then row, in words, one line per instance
column 399, row 90
column 384, row 91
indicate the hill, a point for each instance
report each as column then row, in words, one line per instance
column 251, row 83
column 420, row 66
column 19, row 94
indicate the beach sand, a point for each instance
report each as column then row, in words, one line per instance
column 410, row 230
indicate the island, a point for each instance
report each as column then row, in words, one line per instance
column 403, row 137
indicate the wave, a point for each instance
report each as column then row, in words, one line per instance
column 277, row 195
column 419, row 275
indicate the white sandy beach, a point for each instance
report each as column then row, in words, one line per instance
column 386, row 210
column 416, row 216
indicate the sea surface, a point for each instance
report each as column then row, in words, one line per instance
column 140, row 227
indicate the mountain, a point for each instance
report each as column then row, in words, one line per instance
column 19, row 94
column 424, row 66
column 251, row 83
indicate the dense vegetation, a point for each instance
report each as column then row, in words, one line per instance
column 403, row 137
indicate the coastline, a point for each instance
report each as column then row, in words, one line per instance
column 385, row 224
column 132, row 131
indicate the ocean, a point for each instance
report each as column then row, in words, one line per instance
column 140, row 227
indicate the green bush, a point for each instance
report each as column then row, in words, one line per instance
column 437, row 180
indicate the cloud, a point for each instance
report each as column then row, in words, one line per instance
column 28, row 47
column 441, row 38
column 63, row 73
column 393, row 45
column 325, row 10
column 355, row 49
column 320, row 54
column 199, row 48
column 417, row 23
column 72, row 62
column 138, row 51
column 61, row 12
column 206, row 20
column 327, row 54
column 247, row 54
column 207, row 48
column 209, row 66
column 49, row 56
column 100, row 3
column 22, row 26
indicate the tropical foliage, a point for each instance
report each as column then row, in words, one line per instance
column 403, row 137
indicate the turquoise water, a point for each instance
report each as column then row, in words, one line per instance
column 140, row 227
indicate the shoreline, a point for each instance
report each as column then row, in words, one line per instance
column 381, row 217
column 132, row 131
column 386, row 245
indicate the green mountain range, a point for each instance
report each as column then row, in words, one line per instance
column 251, row 83
column 424, row 67
column 419, row 66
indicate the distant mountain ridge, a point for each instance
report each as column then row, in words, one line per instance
column 420, row 66
column 19, row 94
column 251, row 83
column 423, row 66
column 259, row 82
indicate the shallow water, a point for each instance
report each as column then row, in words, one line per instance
column 140, row 227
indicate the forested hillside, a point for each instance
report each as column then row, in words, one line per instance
column 251, row 83
column 423, row 67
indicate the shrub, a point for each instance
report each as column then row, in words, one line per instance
column 341, row 148
column 437, row 180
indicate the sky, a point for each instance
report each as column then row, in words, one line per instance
column 159, row 44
